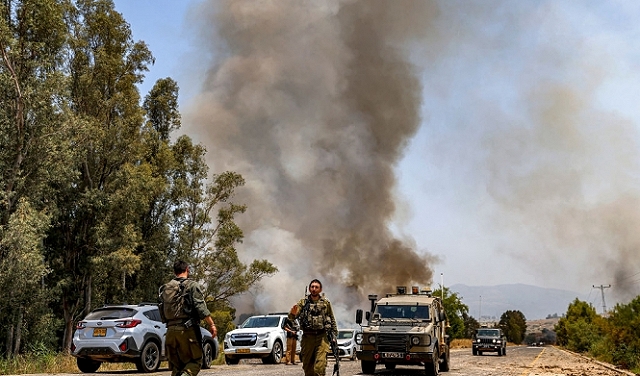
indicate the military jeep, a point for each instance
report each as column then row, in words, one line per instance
column 489, row 339
column 406, row 328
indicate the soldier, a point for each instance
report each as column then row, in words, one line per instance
column 316, row 318
column 292, row 340
column 183, row 308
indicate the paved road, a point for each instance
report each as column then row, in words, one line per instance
column 520, row 361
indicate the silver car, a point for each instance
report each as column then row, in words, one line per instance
column 347, row 345
column 128, row 333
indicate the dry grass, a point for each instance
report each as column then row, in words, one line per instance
column 464, row 343
column 62, row 363
column 52, row 363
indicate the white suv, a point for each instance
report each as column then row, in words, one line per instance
column 347, row 346
column 127, row 333
column 258, row 337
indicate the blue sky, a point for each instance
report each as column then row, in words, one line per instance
column 525, row 166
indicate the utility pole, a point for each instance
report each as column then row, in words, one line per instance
column 602, row 287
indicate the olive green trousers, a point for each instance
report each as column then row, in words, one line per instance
column 313, row 354
column 184, row 352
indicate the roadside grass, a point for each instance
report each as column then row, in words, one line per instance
column 52, row 363
column 463, row 343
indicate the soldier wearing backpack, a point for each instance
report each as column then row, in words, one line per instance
column 182, row 307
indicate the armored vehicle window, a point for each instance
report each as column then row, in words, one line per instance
column 403, row 312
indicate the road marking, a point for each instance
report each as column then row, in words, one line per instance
column 527, row 373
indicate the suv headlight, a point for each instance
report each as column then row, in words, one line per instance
column 494, row 341
column 372, row 339
column 263, row 335
column 346, row 344
column 415, row 340
column 359, row 338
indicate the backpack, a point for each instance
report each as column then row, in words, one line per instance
column 172, row 301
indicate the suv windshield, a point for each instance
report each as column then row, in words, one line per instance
column 488, row 333
column 261, row 322
column 403, row 312
column 110, row 313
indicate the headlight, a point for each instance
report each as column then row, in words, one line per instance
column 494, row 341
column 478, row 340
column 227, row 336
column 415, row 340
column 263, row 335
column 346, row 344
column 498, row 341
column 359, row 338
column 372, row 339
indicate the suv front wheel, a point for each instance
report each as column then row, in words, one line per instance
column 276, row 354
column 149, row 358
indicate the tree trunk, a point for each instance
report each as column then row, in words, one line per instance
column 9, row 342
column 18, row 331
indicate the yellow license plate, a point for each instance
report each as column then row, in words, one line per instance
column 99, row 332
column 243, row 351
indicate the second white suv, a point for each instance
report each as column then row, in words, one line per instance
column 258, row 337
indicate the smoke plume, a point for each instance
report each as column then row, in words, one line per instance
column 313, row 103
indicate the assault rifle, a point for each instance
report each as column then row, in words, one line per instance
column 334, row 349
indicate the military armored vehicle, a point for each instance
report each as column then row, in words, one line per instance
column 406, row 328
column 489, row 339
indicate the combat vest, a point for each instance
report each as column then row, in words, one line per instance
column 314, row 315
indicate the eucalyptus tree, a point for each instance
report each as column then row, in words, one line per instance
column 36, row 135
column 91, row 248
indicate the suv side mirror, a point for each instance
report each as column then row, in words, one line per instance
column 359, row 316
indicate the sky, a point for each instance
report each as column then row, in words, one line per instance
column 464, row 142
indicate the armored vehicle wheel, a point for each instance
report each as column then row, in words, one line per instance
column 479, row 352
column 444, row 361
column 368, row 367
column 230, row 360
column 504, row 351
column 431, row 369
column 276, row 354
column 390, row 365
column 87, row 365
column 475, row 352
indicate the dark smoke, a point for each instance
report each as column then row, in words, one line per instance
column 313, row 102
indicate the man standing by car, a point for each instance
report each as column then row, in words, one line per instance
column 292, row 341
column 316, row 318
column 182, row 308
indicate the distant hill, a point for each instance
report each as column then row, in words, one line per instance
column 534, row 302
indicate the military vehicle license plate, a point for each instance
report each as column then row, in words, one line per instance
column 392, row 355
column 243, row 351
column 99, row 332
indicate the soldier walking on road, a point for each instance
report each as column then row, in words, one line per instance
column 182, row 307
column 316, row 318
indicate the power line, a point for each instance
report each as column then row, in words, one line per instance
column 602, row 287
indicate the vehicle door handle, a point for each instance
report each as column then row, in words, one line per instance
column 156, row 326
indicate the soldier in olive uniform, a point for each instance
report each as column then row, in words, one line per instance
column 183, row 340
column 316, row 317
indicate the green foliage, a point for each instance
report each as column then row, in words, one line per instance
column 514, row 325
column 579, row 328
column 456, row 313
column 96, row 200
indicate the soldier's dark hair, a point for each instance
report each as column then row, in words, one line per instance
column 180, row 267
column 316, row 281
